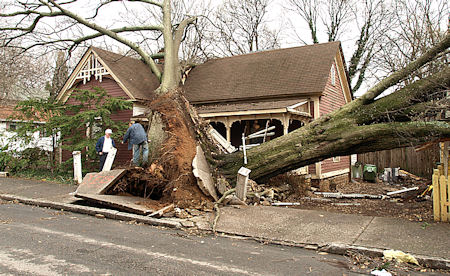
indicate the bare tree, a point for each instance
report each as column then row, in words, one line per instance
column 60, row 75
column 21, row 76
column 241, row 27
column 406, row 117
column 309, row 12
column 343, row 18
column 416, row 25
column 29, row 21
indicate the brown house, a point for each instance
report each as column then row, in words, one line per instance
column 120, row 76
column 285, row 88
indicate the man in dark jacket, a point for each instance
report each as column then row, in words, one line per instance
column 103, row 146
column 138, row 141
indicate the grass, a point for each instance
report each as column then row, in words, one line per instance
column 46, row 175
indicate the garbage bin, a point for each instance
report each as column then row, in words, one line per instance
column 357, row 170
column 370, row 172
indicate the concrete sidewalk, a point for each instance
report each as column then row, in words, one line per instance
column 321, row 230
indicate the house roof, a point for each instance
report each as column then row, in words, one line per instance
column 8, row 113
column 134, row 74
column 298, row 71
column 6, row 110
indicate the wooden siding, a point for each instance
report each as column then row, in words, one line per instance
column 328, row 165
column 312, row 169
column 332, row 99
column 124, row 155
column 333, row 96
column 419, row 163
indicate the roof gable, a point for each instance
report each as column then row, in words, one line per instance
column 295, row 71
column 132, row 75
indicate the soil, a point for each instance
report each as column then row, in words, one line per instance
column 169, row 179
column 408, row 205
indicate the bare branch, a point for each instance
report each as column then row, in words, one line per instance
column 396, row 77
column 113, row 35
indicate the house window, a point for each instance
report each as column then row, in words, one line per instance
column 337, row 159
column 333, row 75
column 12, row 126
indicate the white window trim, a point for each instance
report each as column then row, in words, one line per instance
column 333, row 75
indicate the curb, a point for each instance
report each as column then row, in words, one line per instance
column 93, row 211
column 343, row 249
column 334, row 248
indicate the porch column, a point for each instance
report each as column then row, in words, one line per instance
column 317, row 115
column 228, row 124
column 285, row 122
column 316, row 107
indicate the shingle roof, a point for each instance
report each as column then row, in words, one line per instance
column 6, row 110
column 282, row 72
column 134, row 74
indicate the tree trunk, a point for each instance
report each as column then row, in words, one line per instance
column 357, row 127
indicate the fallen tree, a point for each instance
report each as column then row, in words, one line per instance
column 405, row 117
column 366, row 124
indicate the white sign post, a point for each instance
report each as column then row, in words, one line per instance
column 77, row 174
column 241, row 183
column 109, row 160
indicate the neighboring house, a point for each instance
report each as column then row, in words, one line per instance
column 285, row 88
column 8, row 125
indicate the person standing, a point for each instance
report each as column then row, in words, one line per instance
column 104, row 146
column 138, row 141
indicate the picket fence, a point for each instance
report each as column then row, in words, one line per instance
column 441, row 194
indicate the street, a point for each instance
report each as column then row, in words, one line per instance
column 40, row 241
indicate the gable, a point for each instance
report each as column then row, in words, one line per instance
column 131, row 75
column 334, row 95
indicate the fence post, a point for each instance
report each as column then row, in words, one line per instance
column 443, row 187
column 77, row 174
column 436, row 196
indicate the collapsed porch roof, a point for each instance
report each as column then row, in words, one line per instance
column 294, row 107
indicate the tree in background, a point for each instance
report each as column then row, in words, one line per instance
column 60, row 75
column 240, row 27
column 415, row 26
column 338, row 19
column 21, row 76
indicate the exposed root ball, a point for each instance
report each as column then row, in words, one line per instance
column 169, row 179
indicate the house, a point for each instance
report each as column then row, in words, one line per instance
column 119, row 76
column 10, row 121
column 285, row 88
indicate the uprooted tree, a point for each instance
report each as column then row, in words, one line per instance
column 367, row 124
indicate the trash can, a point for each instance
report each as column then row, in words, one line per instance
column 370, row 172
column 357, row 170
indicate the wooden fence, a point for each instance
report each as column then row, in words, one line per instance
column 419, row 163
column 441, row 194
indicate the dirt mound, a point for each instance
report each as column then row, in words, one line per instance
column 169, row 179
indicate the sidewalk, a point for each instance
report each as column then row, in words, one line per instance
column 321, row 230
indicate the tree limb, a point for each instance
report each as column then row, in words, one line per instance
column 113, row 35
column 394, row 78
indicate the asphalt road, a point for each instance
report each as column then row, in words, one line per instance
column 40, row 241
